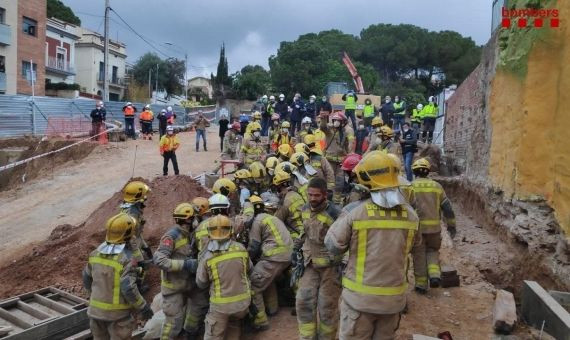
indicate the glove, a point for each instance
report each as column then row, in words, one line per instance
column 452, row 232
column 146, row 313
column 190, row 265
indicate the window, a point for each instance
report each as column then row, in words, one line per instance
column 60, row 57
column 114, row 76
column 30, row 26
column 2, row 15
column 26, row 71
column 101, row 70
column 2, row 64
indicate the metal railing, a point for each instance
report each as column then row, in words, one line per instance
column 59, row 65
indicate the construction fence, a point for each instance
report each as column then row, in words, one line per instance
column 38, row 116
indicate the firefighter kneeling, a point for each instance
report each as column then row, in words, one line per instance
column 374, row 286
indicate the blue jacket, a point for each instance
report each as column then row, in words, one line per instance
column 311, row 110
column 298, row 107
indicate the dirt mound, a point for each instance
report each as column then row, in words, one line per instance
column 31, row 146
column 433, row 154
column 59, row 260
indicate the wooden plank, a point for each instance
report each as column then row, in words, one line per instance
column 4, row 314
column 539, row 308
column 38, row 314
column 53, row 304
column 86, row 334
column 504, row 312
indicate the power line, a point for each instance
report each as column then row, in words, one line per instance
column 140, row 36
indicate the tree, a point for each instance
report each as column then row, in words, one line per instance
column 170, row 73
column 251, row 82
column 222, row 81
column 57, row 9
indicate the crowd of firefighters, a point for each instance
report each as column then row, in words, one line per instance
column 336, row 231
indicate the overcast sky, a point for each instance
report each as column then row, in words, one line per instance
column 253, row 29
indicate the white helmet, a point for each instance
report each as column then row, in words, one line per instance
column 272, row 98
column 313, row 97
column 420, row 106
column 147, row 106
column 306, row 120
column 282, row 96
column 264, row 96
column 129, row 103
column 163, row 111
column 100, row 103
column 430, row 99
column 170, row 128
column 169, row 109
column 218, row 201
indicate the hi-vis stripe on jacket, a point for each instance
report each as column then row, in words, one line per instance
column 379, row 241
column 175, row 247
column 430, row 203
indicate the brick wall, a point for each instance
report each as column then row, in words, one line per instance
column 32, row 47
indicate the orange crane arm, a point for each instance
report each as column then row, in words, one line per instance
column 354, row 73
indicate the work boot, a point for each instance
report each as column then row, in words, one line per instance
column 197, row 147
column 434, row 282
column 205, row 148
column 421, row 290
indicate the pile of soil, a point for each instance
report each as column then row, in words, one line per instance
column 59, row 260
column 41, row 166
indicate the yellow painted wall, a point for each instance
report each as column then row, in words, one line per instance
column 530, row 119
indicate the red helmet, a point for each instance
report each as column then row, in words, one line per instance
column 236, row 126
column 350, row 161
column 338, row 116
column 275, row 116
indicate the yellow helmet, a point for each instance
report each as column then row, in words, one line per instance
column 284, row 150
column 201, row 205
column 257, row 170
column 271, row 163
column 395, row 158
column 421, row 163
column 377, row 121
column 120, row 228
column 242, row 174
column 309, row 139
column 299, row 159
column 281, row 177
column 386, row 131
column 378, row 171
column 224, row 186
column 183, row 211
column 256, row 115
column 135, row 191
column 285, row 125
column 302, row 147
column 254, row 126
column 219, row 227
column 287, row 167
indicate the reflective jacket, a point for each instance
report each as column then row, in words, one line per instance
column 231, row 143
column 169, row 143
column 429, row 111
column 368, row 111
column 324, row 169
column 416, row 116
column 400, row 108
column 227, row 274
column 146, row 116
column 137, row 242
column 379, row 241
column 269, row 239
column 129, row 111
column 175, row 247
column 252, row 151
column 201, row 235
column 383, row 145
column 316, row 223
column 110, row 281
column 340, row 142
column 350, row 101
column 430, row 203
column 290, row 212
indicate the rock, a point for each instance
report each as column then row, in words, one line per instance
column 504, row 312
column 447, row 294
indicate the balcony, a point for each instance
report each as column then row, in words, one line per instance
column 2, row 82
column 113, row 81
column 5, row 35
column 60, row 66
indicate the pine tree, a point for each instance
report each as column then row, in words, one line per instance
column 222, row 80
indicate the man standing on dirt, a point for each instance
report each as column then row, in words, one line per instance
column 387, row 111
column 223, row 127
column 110, row 280
column 146, row 117
column 201, row 124
column 169, row 143
column 129, row 111
column 98, row 117
column 162, row 122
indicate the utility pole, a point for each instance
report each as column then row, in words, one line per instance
column 149, row 84
column 156, row 89
column 186, row 76
column 106, row 53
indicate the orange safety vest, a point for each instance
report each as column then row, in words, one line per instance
column 146, row 116
column 129, row 111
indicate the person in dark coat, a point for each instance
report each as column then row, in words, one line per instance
column 387, row 111
column 162, row 122
column 223, row 123
column 324, row 106
column 282, row 108
column 98, row 117
column 297, row 113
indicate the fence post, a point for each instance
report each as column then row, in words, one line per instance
column 33, row 118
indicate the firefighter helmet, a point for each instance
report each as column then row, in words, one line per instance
column 285, row 125
column 377, row 171
column 218, row 201
column 421, row 163
column 183, row 211
column 120, row 228
column 302, row 147
column 135, row 191
column 386, row 131
column 224, row 186
column 350, row 161
column 257, row 170
column 201, row 205
column 256, row 115
column 219, row 228
column 299, row 159
column 281, row 177
column 377, row 121
column 242, row 174
column 254, row 126
column 284, row 150
column 271, row 163
column 286, row 167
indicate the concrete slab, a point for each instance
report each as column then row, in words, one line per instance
column 422, row 337
column 563, row 298
column 504, row 312
column 539, row 307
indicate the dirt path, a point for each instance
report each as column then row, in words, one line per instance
column 74, row 189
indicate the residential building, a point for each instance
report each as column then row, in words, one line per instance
column 198, row 87
column 31, row 29
column 60, row 51
column 90, row 67
column 8, row 46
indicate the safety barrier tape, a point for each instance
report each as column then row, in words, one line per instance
column 27, row 160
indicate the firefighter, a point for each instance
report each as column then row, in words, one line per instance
column 146, row 117
column 134, row 197
column 306, row 170
column 384, row 140
column 340, row 142
column 232, row 139
column 202, row 208
column 270, row 165
column 219, row 205
column 430, row 203
column 302, row 147
column 283, row 137
column 374, row 287
column 319, row 287
column 169, row 143
column 290, row 203
column 110, row 280
column 274, row 130
column 225, row 268
column 242, row 178
column 306, row 129
column 284, row 152
column 227, row 188
column 256, row 118
column 352, row 191
column 270, row 246
column 177, row 260
column 252, row 149
column 320, row 163
column 259, row 182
